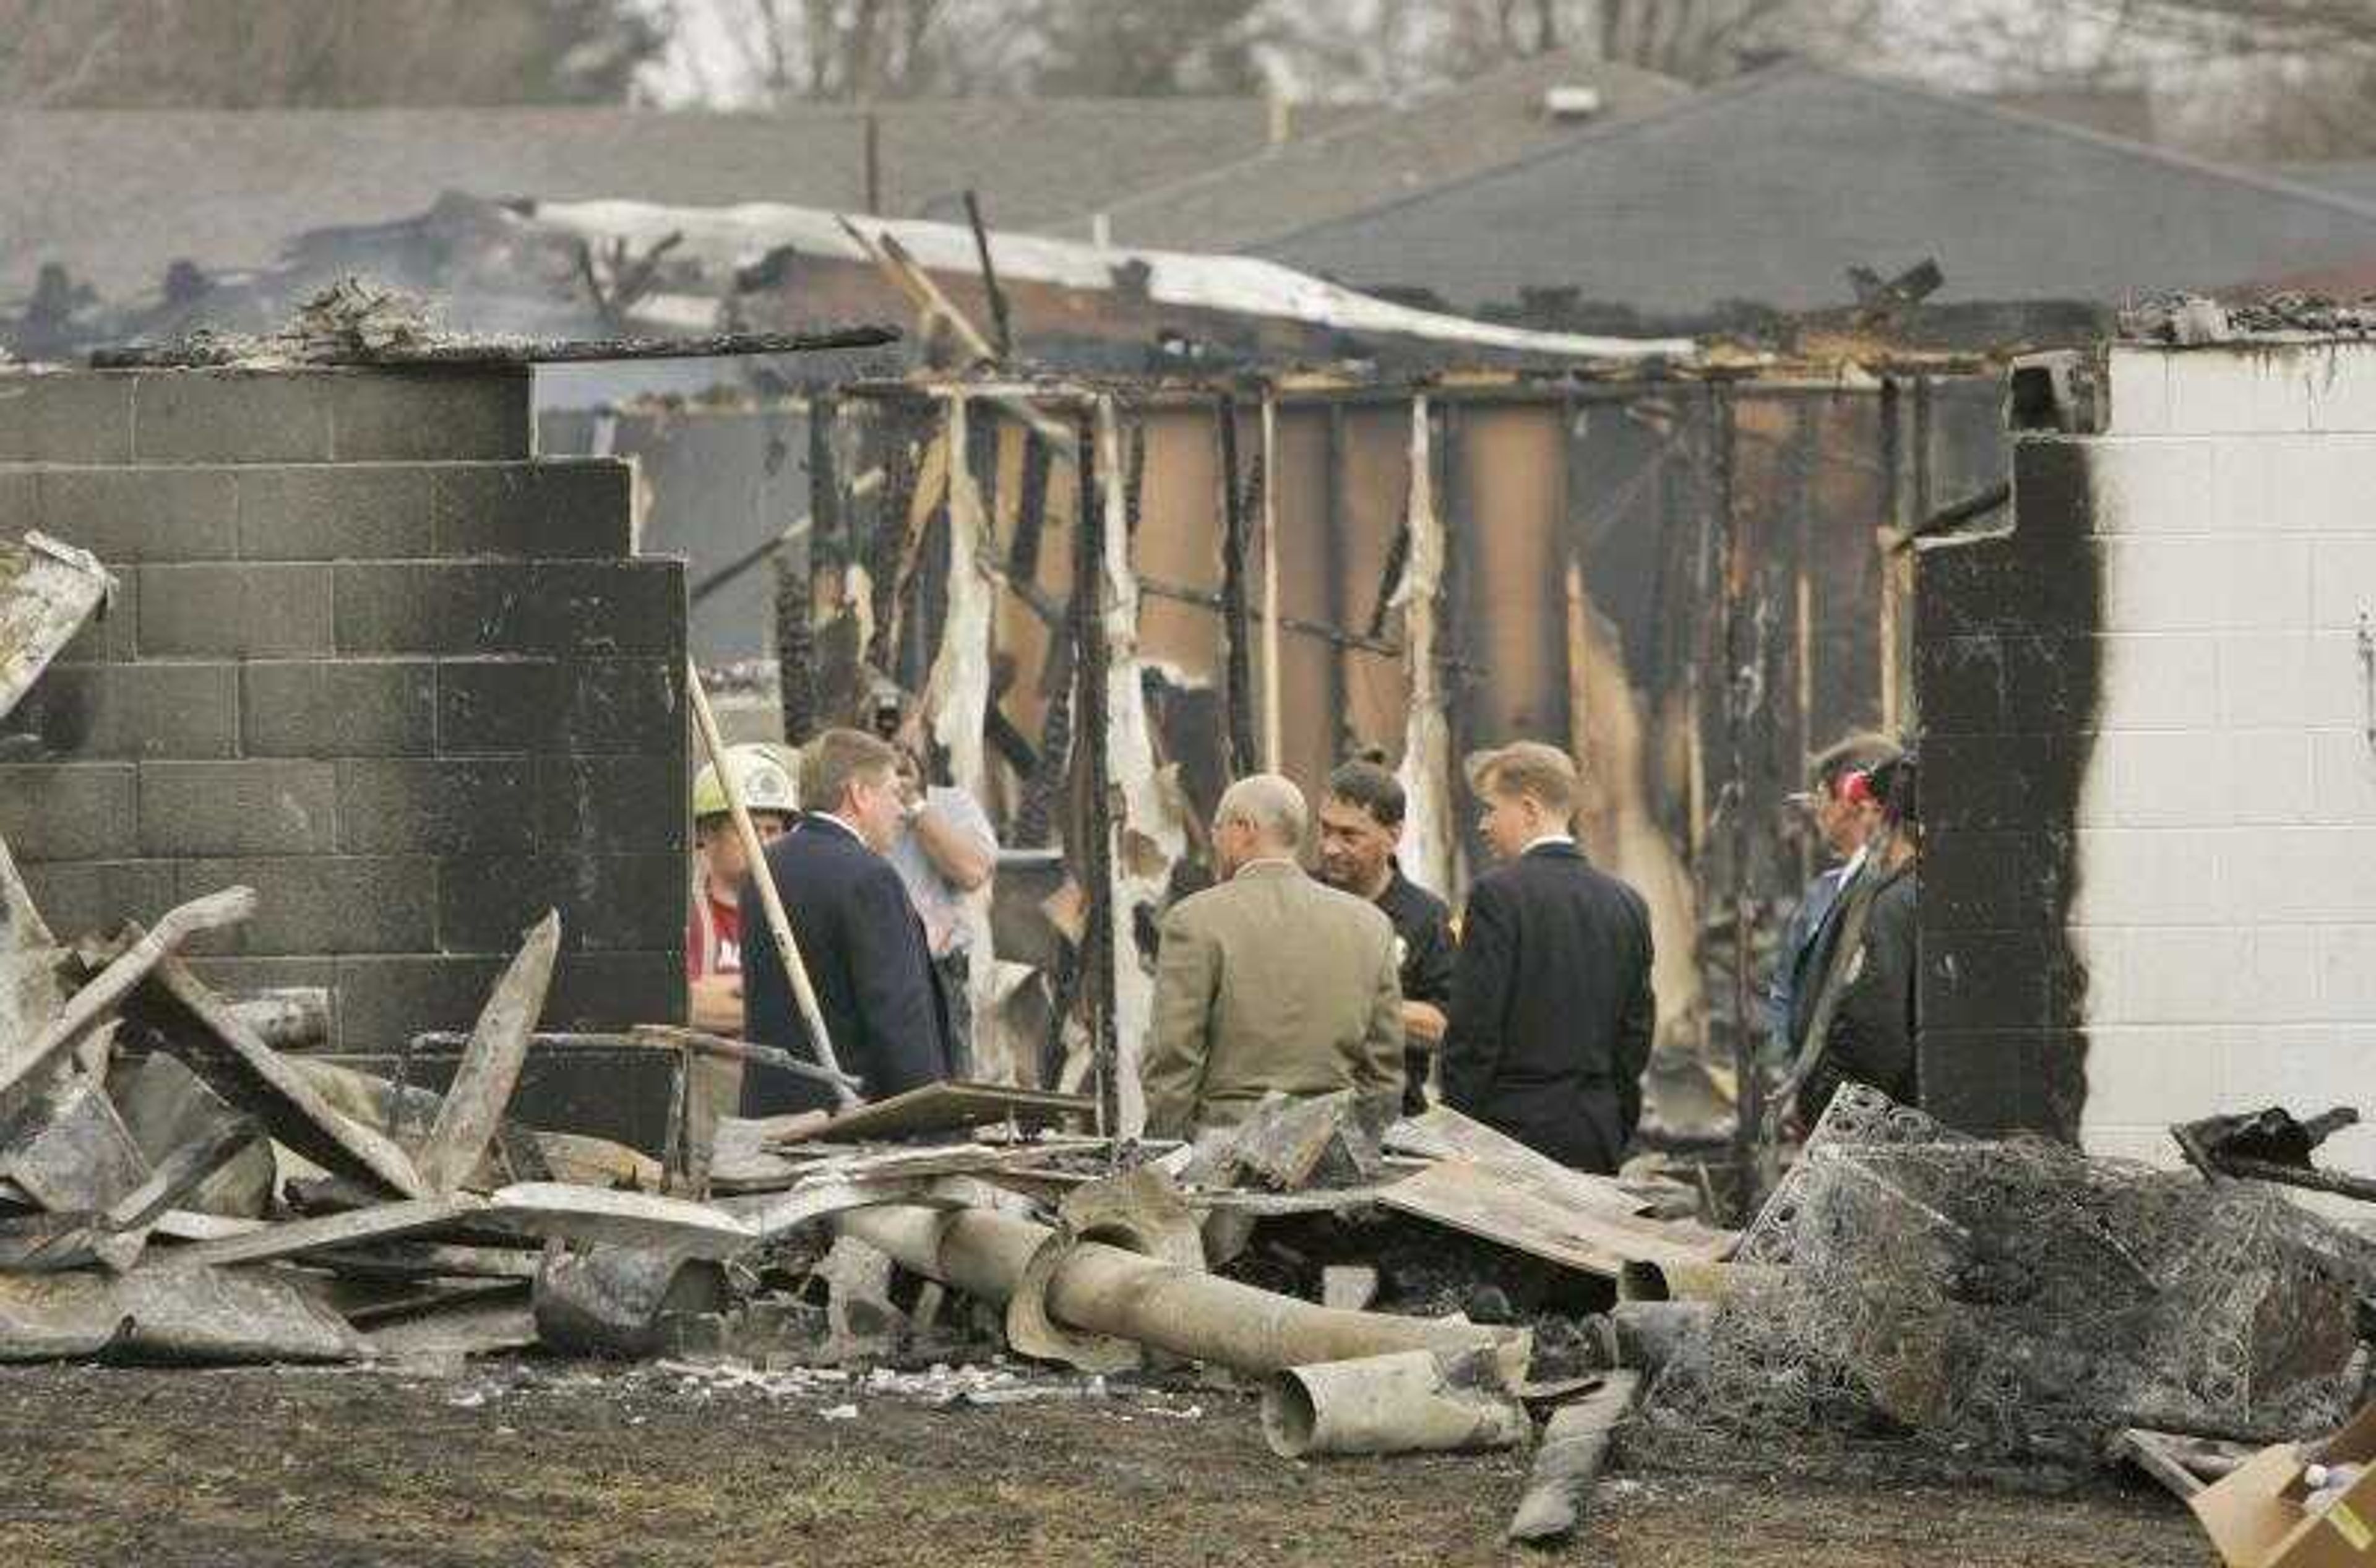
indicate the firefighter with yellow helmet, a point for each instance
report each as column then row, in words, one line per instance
column 713, row 941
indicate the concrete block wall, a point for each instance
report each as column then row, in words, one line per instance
column 2147, row 715
column 371, row 657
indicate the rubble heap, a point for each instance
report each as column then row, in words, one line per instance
column 2013, row 1302
column 2193, row 320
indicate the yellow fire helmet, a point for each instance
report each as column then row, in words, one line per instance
column 760, row 773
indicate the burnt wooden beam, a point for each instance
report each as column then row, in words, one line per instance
column 1333, row 547
column 473, row 1106
column 1207, row 598
column 1002, row 333
column 1095, row 856
column 1732, row 550
column 100, row 998
column 796, row 576
column 1012, row 746
column 294, row 1238
column 1030, row 510
column 1390, row 579
column 1237, row 670
column 1805, row 454
column 198, row 1026
column 1892, row 523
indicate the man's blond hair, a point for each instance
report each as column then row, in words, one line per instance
column 1540, row 773
column 837, row 756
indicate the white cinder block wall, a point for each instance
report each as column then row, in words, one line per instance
column 2226, row 892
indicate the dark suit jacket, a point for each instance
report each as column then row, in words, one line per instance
column 1552, row 1010
column 1872, row 1040
column 865, row 953
column 1423, row 943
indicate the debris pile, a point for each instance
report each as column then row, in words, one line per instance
column 357, row 321
column 1972, row 1303
column 2193, row 320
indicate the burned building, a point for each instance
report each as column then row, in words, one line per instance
column 1693, row 582
column 2149, row 711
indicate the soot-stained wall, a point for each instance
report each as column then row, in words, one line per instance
column 371, row 657
column 2150, row 886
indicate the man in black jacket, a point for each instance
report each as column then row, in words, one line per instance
column 1551, row 1007
column 1361, row 823
column 858, row 937
column 1855, row 1020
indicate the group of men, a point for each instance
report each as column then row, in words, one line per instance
column 1534, row 1013
column 1537, row 1020
column 873, row 873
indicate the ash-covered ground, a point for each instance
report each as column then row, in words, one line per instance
column 517, row 1463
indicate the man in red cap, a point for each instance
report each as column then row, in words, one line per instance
column 1844, row 816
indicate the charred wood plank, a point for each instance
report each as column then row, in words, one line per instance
column 194, row 1023
column 384, row 1222
column 99, row 999
column 473, row 1106
column 47, row 591
column 553, row 1209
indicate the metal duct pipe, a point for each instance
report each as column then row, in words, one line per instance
column 1105, row 1289
column 1402, row 1404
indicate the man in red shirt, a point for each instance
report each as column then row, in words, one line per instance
column 713, row 938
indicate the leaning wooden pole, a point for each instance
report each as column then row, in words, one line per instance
column 778, row 923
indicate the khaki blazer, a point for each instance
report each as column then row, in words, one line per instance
column 1269, row 982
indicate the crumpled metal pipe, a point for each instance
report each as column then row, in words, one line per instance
column 1105, row 1289
column 1412, row 1402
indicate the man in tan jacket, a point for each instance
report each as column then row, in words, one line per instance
column 1269, row 982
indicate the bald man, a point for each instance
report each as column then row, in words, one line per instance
column 1268, row 981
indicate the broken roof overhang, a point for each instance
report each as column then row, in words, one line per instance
column 739, row 236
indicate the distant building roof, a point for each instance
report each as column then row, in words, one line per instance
column 1373, row 157
column 2351, row 177
column 117, row 195
column 721, row 242
column 1767, row 189
column 2127, row 113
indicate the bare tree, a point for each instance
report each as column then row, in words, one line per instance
column 1148, row 48
column 320, row 54
column 777, row 51
column 1697, row 40
column 2231, row 79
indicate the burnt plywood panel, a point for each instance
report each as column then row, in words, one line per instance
column 1507, row 542
column 1374, row 488
column 1311, row 736
column 1179, row 541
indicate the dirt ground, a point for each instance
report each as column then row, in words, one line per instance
column 536, row 1464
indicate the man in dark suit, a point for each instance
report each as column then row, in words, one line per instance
column 1552, row 1009
column 1855, row 1020
column 858, row 935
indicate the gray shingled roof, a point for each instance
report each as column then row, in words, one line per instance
column 1372, row 157
column 2352, row 177
column 1767, row 189
column 117, row 195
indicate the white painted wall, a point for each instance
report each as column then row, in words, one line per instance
column 2227, row 905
